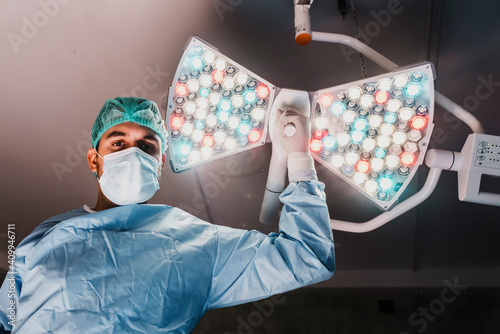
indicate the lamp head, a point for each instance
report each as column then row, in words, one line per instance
column 374, row 132
column 216, row 107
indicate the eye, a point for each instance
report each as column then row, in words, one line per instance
column 148, row 147
column 117, row 144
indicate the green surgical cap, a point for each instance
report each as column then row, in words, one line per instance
column 129, row 109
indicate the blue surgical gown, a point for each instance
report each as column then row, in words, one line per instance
column 157, row 269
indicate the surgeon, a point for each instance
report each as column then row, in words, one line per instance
column 125, row 266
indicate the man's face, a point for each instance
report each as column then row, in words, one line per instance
column 123, row 136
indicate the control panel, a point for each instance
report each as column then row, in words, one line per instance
column 488, row 153
column 480, row 165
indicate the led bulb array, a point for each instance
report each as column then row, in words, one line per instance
column 216, row 107
column 373, row 133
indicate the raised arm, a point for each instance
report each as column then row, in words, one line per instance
column 251, row 265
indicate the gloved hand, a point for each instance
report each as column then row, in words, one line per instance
column 295, row 147
column 298, row 142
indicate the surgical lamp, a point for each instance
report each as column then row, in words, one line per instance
column 372, row 133
column 216, row 107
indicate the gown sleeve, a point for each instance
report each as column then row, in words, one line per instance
column 251, row 265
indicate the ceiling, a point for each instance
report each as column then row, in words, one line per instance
column 57, row 74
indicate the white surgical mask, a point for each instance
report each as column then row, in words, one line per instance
column 129, row 176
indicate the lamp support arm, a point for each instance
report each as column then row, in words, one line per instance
column 387, row 64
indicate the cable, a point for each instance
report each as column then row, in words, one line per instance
column 358, row 37
column 342, row 7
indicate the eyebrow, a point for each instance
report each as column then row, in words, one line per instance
column 151, row 137
column 123, row 134
column 115, row 134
